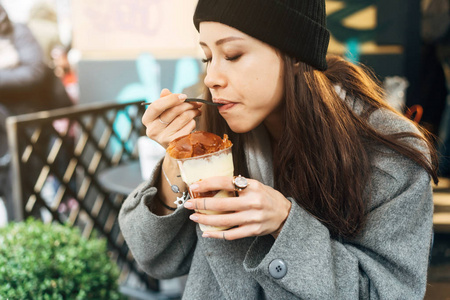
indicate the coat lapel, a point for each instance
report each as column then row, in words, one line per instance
column 226, row 257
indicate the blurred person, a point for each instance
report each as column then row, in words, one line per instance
column 27, row 84
column 43, row 23
column 26, row 74
column 66, row 71
column 22, row 72
column 336, row 200
column 5, row 161
column 9, row 57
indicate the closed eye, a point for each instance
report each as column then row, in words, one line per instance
column 233, row 58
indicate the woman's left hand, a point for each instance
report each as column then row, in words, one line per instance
column 259, row 209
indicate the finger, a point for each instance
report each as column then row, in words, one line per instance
column 182, row 119
column 224, row 204
column 235, row 233
column 182, row 125
column 164, row 133
column 164, row 92
column 227, row 220
column 186, row 111
column 160, row 105
column 188, row 128
column 222, row 183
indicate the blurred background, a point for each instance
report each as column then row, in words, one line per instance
column 114, row 51
column 115, row 48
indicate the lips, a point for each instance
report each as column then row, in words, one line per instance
column 222, row 101
column 226, row 104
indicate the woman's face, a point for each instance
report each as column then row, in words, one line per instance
column 243, row 73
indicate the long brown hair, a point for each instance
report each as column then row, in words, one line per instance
column 323, row 156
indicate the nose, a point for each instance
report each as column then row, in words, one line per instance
column 215, row 78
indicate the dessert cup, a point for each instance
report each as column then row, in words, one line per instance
column 197, row 168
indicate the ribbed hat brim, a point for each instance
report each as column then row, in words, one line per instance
column 274, row 23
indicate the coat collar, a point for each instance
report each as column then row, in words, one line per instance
column 259, row 156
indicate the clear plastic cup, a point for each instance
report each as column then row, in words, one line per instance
column 194, row 169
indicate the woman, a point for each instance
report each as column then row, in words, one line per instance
column 338, row 203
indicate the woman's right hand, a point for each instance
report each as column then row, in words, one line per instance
column 170, row 117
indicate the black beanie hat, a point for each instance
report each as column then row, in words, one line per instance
column 296, row 27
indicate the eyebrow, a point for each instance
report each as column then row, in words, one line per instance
column 224, row 40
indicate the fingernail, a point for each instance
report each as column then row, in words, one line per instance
column 205, row 235
column 188, row 205
column 193, row 217
column 182, row 97
column 194, row 186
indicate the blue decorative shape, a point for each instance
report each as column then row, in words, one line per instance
column 148, row 89
column 187, row 73
column 353, row 50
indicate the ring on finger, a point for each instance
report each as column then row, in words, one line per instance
column 162, row 122
column 223, row 235
column 204, row 203
column 240, row 183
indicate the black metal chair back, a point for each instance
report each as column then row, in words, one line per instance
column 56, row 158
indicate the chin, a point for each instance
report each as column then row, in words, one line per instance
column 241, row 128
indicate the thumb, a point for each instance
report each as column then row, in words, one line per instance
column 165, row 92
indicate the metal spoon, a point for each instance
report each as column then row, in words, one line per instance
column 193, row 100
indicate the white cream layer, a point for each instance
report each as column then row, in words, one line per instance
column 193, row 170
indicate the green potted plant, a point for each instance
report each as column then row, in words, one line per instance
column 53, row 261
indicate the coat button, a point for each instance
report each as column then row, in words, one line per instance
column 277, row 268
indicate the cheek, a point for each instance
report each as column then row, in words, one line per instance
column 267, row 89
column 262, row 88
column 261, row 103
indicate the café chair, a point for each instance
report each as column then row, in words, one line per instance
column 56, row 156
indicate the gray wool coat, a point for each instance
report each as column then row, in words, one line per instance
column 388, row 260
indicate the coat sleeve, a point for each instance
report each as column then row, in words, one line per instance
column 388, row 260
column 163, row 246
column 30, row 72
